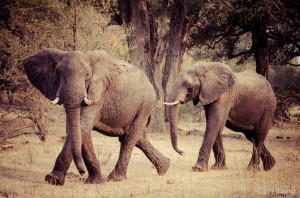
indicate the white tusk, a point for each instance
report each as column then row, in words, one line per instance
column 55, row 101
column 87, row 101
column 172, row 103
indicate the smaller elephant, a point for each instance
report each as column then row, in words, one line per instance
column 243, row 102
column 109, row 96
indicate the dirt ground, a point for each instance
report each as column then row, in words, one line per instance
column 25, row 161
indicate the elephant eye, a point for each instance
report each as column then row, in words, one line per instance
column 87, row 75
column 186, row 84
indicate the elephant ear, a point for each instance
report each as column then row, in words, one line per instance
column 216, row 79
column 105, row 72
column 41, row 71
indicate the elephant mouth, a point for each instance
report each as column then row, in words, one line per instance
column 187, row 98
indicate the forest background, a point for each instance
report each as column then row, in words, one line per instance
column 161, row 37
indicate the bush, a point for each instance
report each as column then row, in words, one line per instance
column 285, row 82
column 26, row 115
column 27, row 26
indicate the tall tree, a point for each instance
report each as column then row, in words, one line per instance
column 274, row 26
column 158, row 53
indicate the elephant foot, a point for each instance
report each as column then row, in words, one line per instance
column 55, row 178
column 252, row 167
column 114, row 176
column 163, row 167
column 269, row 163
column 200, row 167
column 218, row 166
column 94, row 179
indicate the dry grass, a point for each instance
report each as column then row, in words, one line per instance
column 24, row 165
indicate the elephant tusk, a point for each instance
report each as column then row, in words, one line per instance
column 55, row 101
column 172, row 103
column 87, row 101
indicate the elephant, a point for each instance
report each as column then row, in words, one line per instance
column 243, row 102
column 98, row 93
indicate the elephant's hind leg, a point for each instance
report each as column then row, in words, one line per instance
column 219, row 154
column 257, row 137
column 128, row 141
column 267, row 159
column 257, row 147
column 160, row 162
column 120, row 170
column 91, row 162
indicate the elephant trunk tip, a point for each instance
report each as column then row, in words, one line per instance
column 179, row 151
column 81, row 172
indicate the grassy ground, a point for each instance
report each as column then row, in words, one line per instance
column 25, row 161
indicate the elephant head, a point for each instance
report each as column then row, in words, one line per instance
column 204, row 82
column 72, row 79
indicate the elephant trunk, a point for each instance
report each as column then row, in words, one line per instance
column 74, row 133
column 173, row 116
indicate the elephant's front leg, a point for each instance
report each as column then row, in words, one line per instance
column 91, row 162
column 62, row 164
column 219, row 153
column 216, row 115
column 203, row 157
column 64, row 159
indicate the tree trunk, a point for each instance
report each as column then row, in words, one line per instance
column 145, row 48
column 159, row 55
column 261, row 52
column 174, row 54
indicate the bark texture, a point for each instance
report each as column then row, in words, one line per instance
column 158, row 53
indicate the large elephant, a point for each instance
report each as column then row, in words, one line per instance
column 97, row 92
column 243, row 102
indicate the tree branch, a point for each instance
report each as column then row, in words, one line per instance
column 250, row 51
column 296, row 65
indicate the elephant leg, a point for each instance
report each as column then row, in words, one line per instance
column 255, row 161
column 267, row 159
column 91, row 162
column 257, row 150
column 62, row 164
column 216, row 115
column 257, row 137
column 119, row 172
column 219, row 154
column 128, row 141
column 160, row 162
column 64, row 159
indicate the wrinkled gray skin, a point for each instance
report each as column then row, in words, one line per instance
column 121, row 100
column 243, row 102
